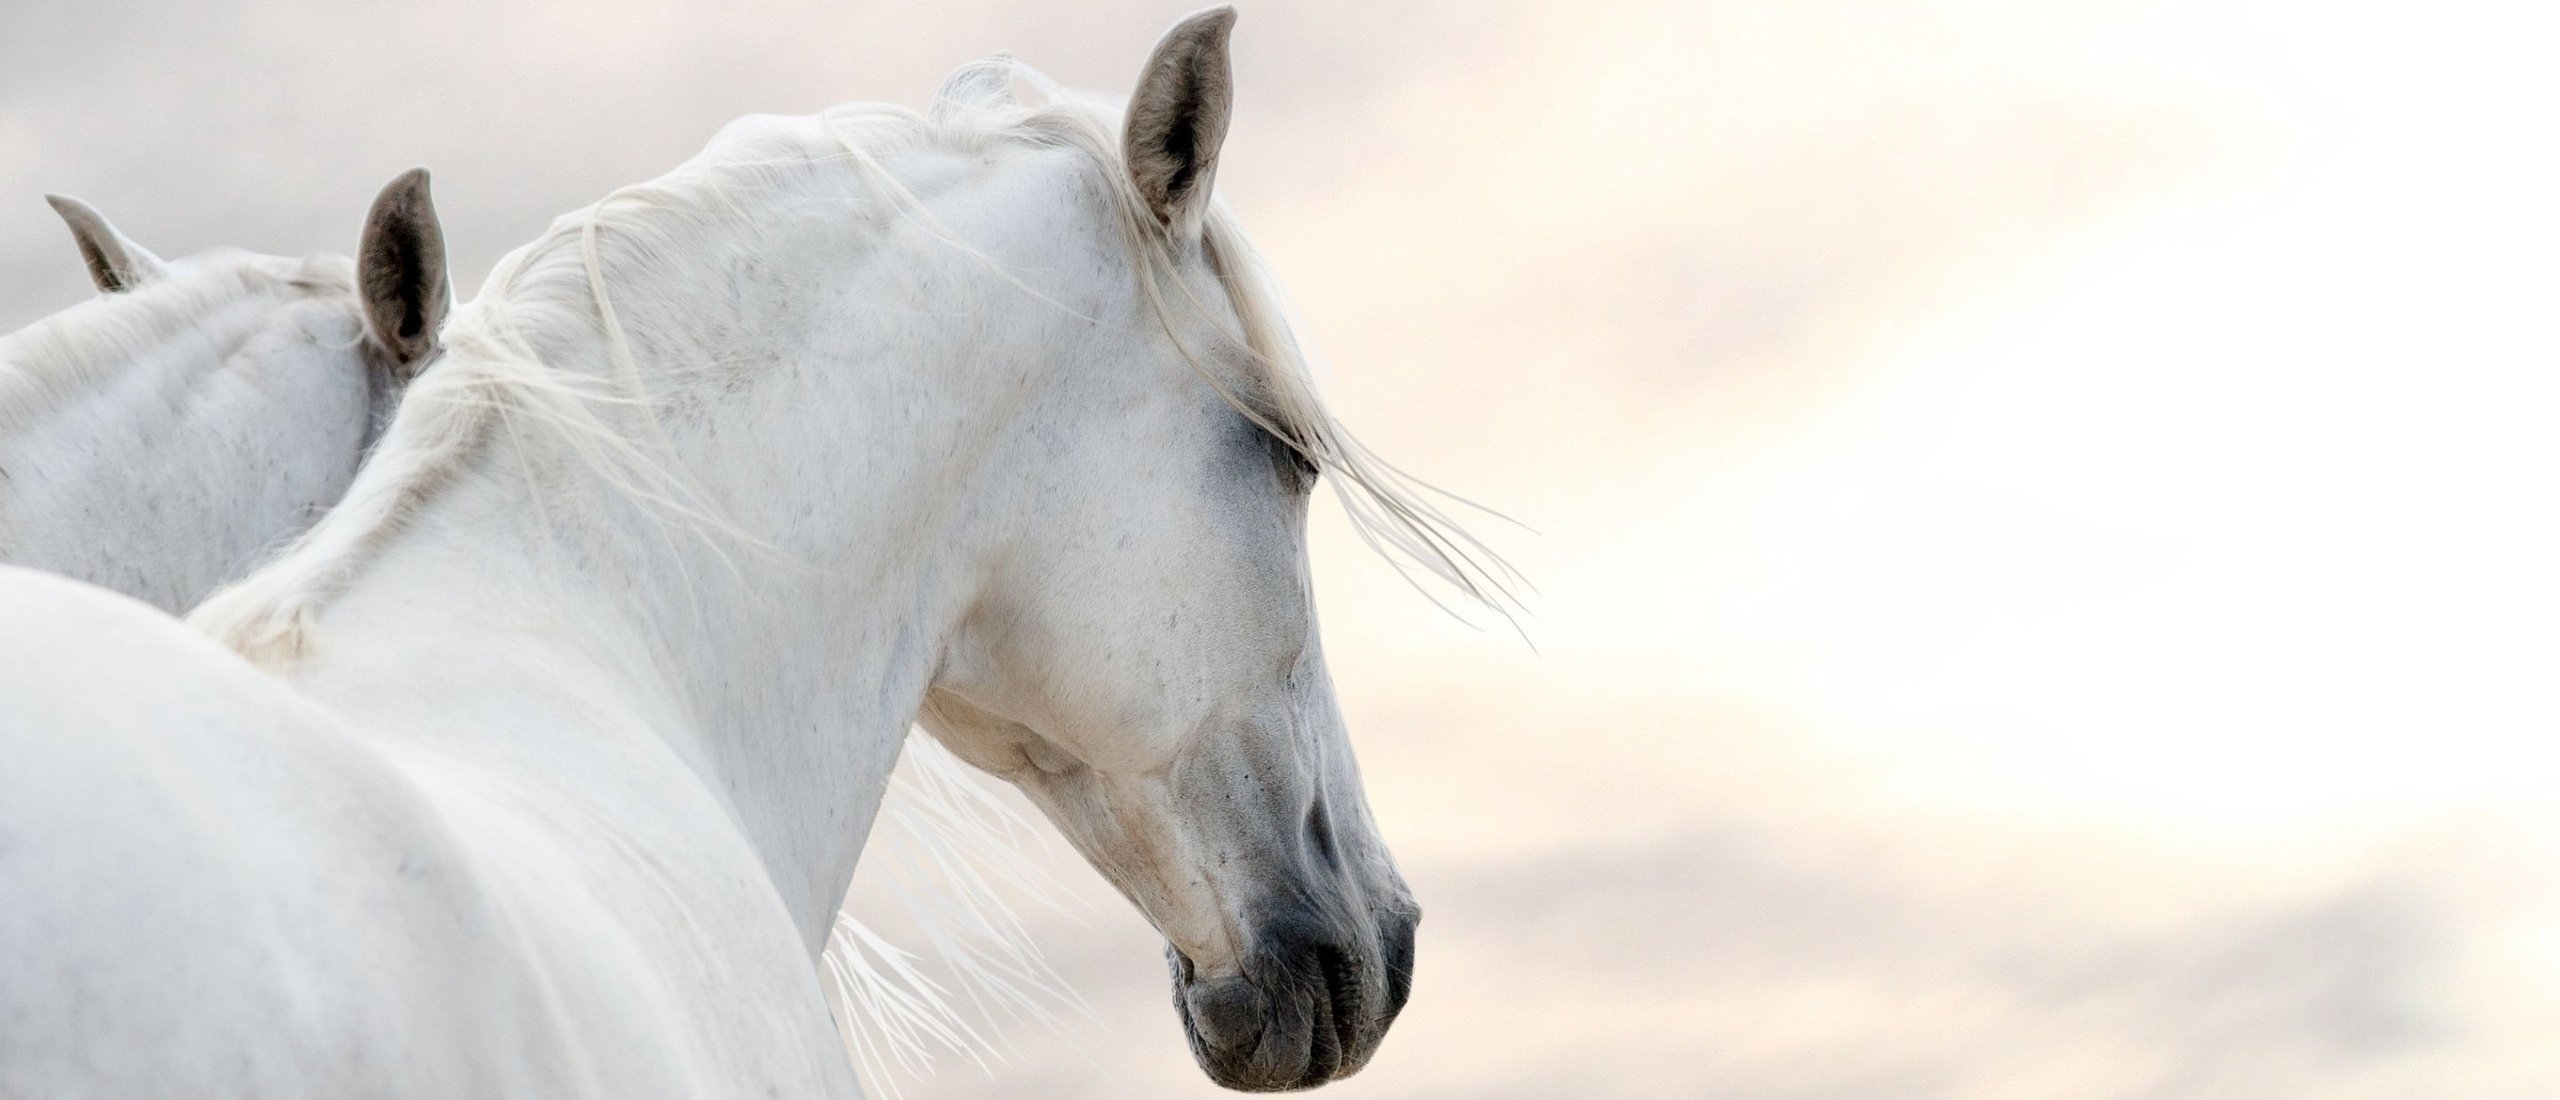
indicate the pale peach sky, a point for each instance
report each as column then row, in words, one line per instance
column 2044, row 510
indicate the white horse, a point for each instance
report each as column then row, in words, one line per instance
column 557, row 741
column 164, row 437
column 161, row 438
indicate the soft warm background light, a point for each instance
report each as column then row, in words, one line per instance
column 2046, row 515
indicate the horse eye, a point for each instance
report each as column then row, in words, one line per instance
column 1294, row 469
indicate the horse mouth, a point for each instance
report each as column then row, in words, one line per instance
column 1312, row 1033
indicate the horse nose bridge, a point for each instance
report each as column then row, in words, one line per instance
column 1288, row 841
column 1313, row 911
column 1246, row 783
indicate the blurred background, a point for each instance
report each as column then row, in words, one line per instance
column 2043, row 510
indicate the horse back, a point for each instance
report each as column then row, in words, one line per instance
column 209, row 887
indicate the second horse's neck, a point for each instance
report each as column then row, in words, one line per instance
column 162, row 472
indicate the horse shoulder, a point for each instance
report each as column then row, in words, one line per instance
column 213, row 889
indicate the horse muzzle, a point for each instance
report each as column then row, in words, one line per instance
column 1312, row 1005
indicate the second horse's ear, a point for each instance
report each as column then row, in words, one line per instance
column 400, row 272
column 115, row 264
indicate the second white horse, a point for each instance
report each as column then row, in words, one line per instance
column 162, row 438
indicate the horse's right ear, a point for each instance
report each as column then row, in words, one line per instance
column 1178, row 117
column 114, row 263
column 400, row 272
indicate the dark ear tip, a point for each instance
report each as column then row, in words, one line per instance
column 409, row 187
column 1207, row 27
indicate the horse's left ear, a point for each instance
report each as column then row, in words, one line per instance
column 1178, row 118
column 115, row 264
column 400, row 273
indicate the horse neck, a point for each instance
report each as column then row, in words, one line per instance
column 775, row 674
column 848, row 398
column 159, row 455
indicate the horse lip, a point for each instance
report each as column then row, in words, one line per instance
column 1340, row 1000
column 1226, row 1017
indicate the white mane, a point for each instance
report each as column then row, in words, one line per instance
column 64, row 355
column 496, row 370
column 553, row 300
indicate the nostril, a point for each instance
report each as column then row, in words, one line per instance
column 1320, row 836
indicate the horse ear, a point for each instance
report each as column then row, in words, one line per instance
column 400, row 271
column 115, row 263
column 986, row 82
column 1178, row 118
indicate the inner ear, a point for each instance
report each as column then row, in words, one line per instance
column 1177, row 119
column 400, row 270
